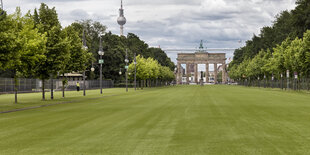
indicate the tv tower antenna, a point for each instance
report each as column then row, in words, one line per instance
column 1, row 5
column 121, row 20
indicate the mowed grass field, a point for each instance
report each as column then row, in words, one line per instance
column 171, row 120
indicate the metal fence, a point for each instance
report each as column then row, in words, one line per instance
column 284, row 83
column 141, row 83
column 35, row 85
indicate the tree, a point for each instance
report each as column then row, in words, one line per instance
column 57, row 46
column 301, row 18
column 292, row 56
column 92, row 31
column 26, row 47
column 7, row 41
column 150, row 70
column 162, row 58
column 306, row 53
column 78, row 57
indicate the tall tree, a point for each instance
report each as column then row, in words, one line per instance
column 26, row 50
column 79, row 57
column 57, row 46
column 92, row 31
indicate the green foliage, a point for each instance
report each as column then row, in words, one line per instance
column 150, row 69
column 79, row 57
column 57, row 45
column 115, row 46
column 290, row 55
column 159, row 55
column 7, row 41
column 22, row 45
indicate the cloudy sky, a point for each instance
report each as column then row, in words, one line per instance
column 172, row 24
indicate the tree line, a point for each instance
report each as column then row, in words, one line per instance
column 280, row 47
column 35, row 45
column 149, row 71
column 291, row 55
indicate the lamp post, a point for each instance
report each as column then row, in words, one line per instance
column 101, row 53
column 84, row 48
column 135, row 62
column 126, row 67
column 120, row 73
column 176, row 77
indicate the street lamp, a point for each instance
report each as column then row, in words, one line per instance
column 84, row 48
column 100, row 53
column 176, row 75
column 126, row 67
column 120, row 71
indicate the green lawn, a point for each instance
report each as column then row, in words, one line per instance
column 173, row 120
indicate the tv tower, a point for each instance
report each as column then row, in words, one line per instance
column 121, row 20
column 1, row 8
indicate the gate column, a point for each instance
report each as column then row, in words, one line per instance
column 224, row 76
column 215, row 73
column 179, row 77
column 187, row 73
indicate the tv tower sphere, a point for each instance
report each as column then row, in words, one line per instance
column 121, row 20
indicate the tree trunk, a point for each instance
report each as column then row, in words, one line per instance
column 144, row 84
column 52, row 88
column 308, row 82
column 84, row 84
column 63, row 85
column 43, row 89
column 15, row 87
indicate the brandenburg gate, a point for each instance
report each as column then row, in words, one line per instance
column 201, row 58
